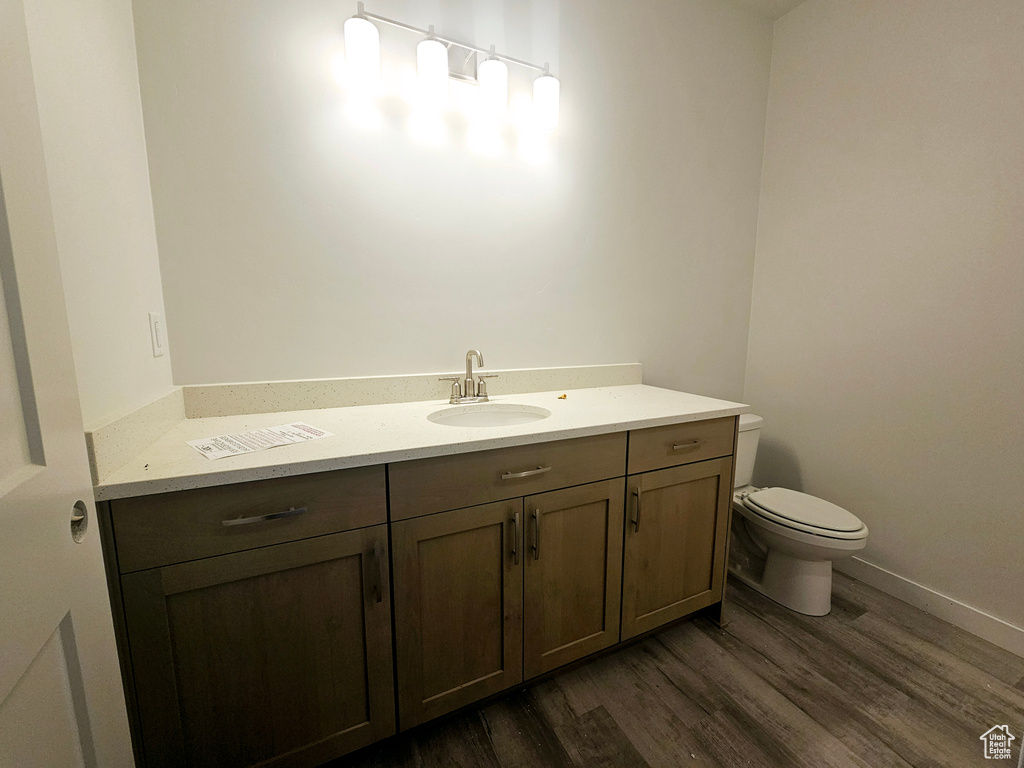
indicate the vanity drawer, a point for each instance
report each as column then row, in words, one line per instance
column 660, row 447
column 425, row 486
column 168, row 528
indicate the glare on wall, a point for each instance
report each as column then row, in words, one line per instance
column 427, row 127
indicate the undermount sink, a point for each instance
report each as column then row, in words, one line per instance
column 488, row 415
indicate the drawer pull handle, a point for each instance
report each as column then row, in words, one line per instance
column 378, row 587
column 515, row 538
column 263, row 518
column 525, row 473
column 636, row 518
column 691, row 446
column 536, row 534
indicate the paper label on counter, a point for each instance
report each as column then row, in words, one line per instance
column 257, row 440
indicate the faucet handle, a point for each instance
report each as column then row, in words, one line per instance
column 481, row 386
column 456, row 386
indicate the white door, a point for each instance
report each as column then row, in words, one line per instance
column 61, row 702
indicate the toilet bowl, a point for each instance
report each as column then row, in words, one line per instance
column 783, row 541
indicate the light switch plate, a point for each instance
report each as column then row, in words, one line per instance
column 156, row 333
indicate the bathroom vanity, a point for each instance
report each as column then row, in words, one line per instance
column 287, row 620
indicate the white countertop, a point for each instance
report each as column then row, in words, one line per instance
column 377, row 434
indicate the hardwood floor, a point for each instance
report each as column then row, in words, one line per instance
column 875, row 683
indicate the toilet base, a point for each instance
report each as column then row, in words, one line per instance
column 804, row 586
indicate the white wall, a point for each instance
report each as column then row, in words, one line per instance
column 83, row 60
column 885, row 343
column 294, row 244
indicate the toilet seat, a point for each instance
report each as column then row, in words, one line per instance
column 803, row 512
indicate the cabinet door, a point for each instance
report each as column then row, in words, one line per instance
column 278, row 656
column 573, row 574
column 458, row 608
column 676, row 533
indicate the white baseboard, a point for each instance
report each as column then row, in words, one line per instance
column 984, row 625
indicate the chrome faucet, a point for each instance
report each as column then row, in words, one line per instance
column 470, row 388
column 474, row 391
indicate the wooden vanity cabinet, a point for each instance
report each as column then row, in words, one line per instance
column 675, row 543
column 277, row 655
column 440, row 483
column 255, row 619
column 573, row 572
column 489, row 595
column 677, row 525
column 458, row 608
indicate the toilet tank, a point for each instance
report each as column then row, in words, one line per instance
column 746, row 448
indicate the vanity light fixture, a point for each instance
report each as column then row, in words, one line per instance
column 362, row 55
column 432, row 71
column 545, row 101
column 492, row 75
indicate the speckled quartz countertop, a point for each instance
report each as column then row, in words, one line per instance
column 377, row 434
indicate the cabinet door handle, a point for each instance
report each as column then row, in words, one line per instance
column 263, row 518
column 515, row 538
column 378, row 586
column 636, row 516
column 693, row 445
column 525, row 473
column 536, row 534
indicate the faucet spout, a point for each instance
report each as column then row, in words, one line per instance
column 470, row 388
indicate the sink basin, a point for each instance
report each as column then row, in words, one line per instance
column 488, row 415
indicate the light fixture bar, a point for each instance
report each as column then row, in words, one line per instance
column 449, row 41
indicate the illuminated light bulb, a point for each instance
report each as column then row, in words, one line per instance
column 492, row 75
column 432, row 72
column 545, row 102
column 362, row 55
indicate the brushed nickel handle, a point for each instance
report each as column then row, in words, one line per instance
column 456, row 387
column 536, row 534
column 525, row 473
column 263, row 518
column 691, row 446
column 636, row 517
column 378, row 587
column 515, row 538
column 481, row 385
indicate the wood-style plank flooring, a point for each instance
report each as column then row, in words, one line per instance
column 875, row 683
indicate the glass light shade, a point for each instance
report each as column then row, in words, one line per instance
column 492, row 75
column 545, row 102
column 432, row 72
column 362, row 54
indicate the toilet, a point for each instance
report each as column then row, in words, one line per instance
column 784, row 542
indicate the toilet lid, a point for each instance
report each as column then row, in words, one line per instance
column 804, row 509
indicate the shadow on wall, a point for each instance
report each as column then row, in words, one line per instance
column 777, row 465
